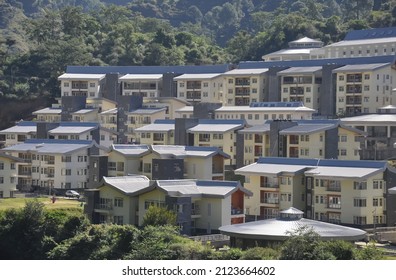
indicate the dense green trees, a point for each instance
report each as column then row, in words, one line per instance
column 34, row 233
column 38, row 39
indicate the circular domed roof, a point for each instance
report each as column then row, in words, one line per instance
column 289, row 221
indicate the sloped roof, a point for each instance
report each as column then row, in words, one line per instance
column 280, row 228
column 187, row 151
column 130, row 149
column 51, row 146
column 129, row 185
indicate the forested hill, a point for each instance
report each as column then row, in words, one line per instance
column 39, row 38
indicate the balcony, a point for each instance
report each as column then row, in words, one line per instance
column 269, row 185
column 296, row 91
column 270, row 200
column 334, row 206
column 104, row 206
column 333, row 188
column 236, row 211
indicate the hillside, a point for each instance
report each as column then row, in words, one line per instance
column 39, row 38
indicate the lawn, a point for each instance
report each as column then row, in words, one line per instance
column 60, row 203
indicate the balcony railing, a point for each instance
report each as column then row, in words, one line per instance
column 104, row 206
column 269, row 185
column 236, row 211
column 334, row 206
column 270, row 200
column 333, row 188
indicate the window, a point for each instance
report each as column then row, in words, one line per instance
column 334, row 202
column 12, row 166
column 358, row 220
column 205, row 84
column 360, row 185
column 285, row 90
column 308, row 100
column 66, row 172
column 118, row 220
column 230, row 81
column 341, row 77
column 308, row 89
column 91, row 84
column 181, row 84
column 340, row 88
column 377, row 201
column 66, row 84
column 1, row 165
column 254, row 80
column 377, row 184
column 359, row 202
column 1, row 180
column 343, row 138
column 66, row 158
column 118, row 202
column 367, row 76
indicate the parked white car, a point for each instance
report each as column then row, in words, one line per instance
column 71, row 193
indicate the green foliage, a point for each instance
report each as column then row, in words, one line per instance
column 158, row 216
column 304, row 244
column 260, row 253
column 370, row 252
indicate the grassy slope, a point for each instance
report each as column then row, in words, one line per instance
column 60, row 203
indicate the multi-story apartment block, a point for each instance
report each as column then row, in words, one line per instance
column 362, row 89
column 9, row 167
column 244, row 86
column 125, row 159
column 86, row 85
column 19, row 133
column 171, row 105
column 326, row 139
column 195, row 88
column 108, row 119
column 256, row 113
column 202, row 206
column 380, row 129
column 184, row 162
column 50, row 114
column 337, row 191
column 218, row 133
column 141, row 117
column 52, row 163
column 301, row 84
column 364, row 43
column 300, row 49
column 145, row 85
column 160, row 132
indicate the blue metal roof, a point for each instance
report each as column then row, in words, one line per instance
column 161, row 121
column 385, row 32
column 26, row 123
column 317, row 62
column 178, row 69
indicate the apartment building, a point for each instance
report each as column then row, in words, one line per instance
column 53, row 164
column 9, row 167
column 380, row 129
column 49, row 114
column 86, row 85
column 184, row 162
column 160, row 132
column 301, row 84
column 244, row 86
column 362, row 89
column 202, row 206
column 218, row 133
column 336, row 191
column 364, row 43
column 18, row 133
column 145, row 85
column 195, row 88
column 301, row 139
column 256, row 113
column 301, row 49
column 126, row 159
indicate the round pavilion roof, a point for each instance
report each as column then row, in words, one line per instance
column 289, row 221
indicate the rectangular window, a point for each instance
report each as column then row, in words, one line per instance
column 359, row 202
column 118, row 220
column 118, row 202
column 358, row 220
column 360, row 185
